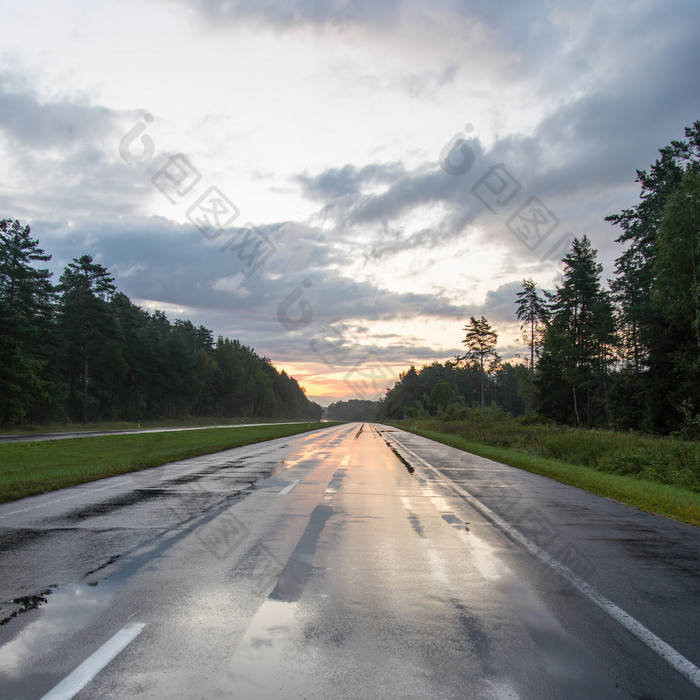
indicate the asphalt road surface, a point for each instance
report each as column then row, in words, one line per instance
column 352, row 562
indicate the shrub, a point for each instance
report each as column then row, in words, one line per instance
column 666, row 460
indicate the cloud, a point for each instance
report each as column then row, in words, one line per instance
column 64, row 156
column 349, row 180
column 314, row 13
column 499, row 304
column 381, row 193
column 434, row 41
column 604, row 115
column 158, row 261
column 46, row 125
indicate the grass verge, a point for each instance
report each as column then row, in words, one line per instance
column 653, row 497
column 187, row 422
column 30, row 468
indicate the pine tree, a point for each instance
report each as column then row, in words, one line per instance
column 532, row 311
column 481, row 340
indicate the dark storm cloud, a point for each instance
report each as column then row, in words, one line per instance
column 406, row 192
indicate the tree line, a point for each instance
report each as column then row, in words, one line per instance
column 622, row 355
column 452, row 389
column 82, row 351
column 352, row 410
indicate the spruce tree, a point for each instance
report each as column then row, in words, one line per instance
column 26, row 296
column 85, row 319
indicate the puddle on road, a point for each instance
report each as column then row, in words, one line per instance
column 27, row 603
column 65, row 610
column 261, row 655
column 57, row 612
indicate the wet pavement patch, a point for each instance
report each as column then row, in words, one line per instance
column 298, row 569
column 113, row 504
column 27, row 602
column 400, row 457
column 109, row 562
column 13, row 538
column 416, row 525
column 456, row 523
column 335, row 483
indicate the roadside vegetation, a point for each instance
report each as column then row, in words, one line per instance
column 30, row 468
column 656, row 474
column 105, row 425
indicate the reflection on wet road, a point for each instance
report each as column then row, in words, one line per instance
column 339, row 564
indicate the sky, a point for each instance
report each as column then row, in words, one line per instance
column 339, row 185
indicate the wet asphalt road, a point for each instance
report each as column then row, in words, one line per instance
column 344, row 564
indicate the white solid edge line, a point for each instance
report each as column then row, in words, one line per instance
column 73, row 683
column 288, row 488
column 656, row 644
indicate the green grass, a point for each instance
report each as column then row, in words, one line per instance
column 650, row 495
column 30, row 468
column 187, row 422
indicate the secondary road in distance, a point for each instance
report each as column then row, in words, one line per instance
column 64, row 435
column 353, row 561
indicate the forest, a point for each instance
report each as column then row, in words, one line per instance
column 622, row 354
column 80, row 351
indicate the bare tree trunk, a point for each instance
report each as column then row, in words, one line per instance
column 695, row 300
column 85, row 389
column 578, row 420
column 482, row 391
